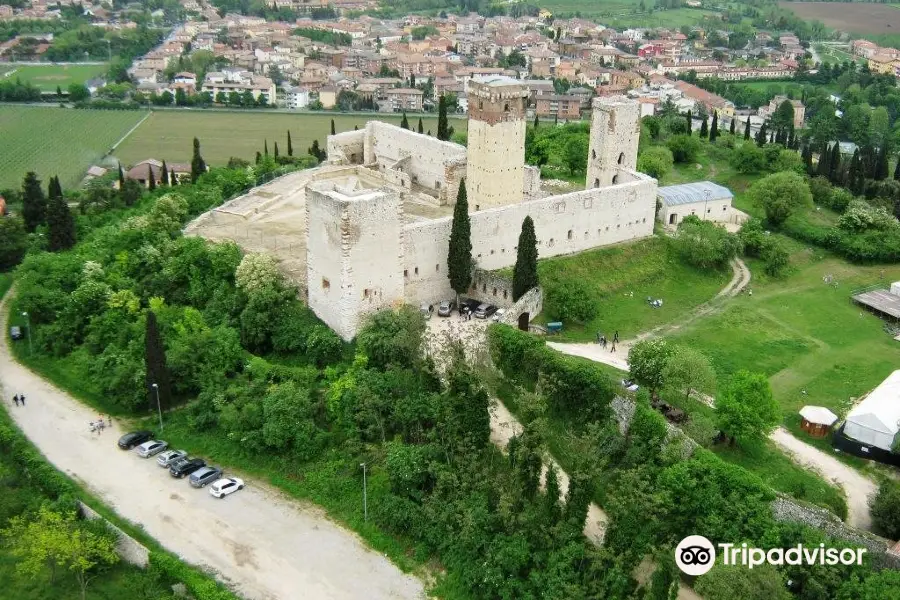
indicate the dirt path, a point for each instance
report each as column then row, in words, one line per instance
column 857, row 486
column 264, row 544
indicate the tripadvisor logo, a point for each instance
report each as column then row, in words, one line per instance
column 696, row 555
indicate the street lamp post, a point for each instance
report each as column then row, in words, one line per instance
column 365, row 498
column 706, row 194
column 28, row 330
column 158, row 406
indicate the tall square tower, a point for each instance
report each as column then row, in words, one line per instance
column 615, row 133
column 495, row 172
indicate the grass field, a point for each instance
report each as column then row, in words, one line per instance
column 620, row 279
column 167, row 135
column 48, row 77
column 833, row 55
column 856, row 17
column 56, row 141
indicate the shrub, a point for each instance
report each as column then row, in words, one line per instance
column 780, row 194
column 885, row 508
column 748, row 158
column 705, row 244
column 753, row 237
column 570, row 300
column 655, row 162
column 684, row 148
column 821, row 190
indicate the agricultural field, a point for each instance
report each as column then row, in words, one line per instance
column 57, row 141
column 49, row 77
column 168, row 135
column 856, row 17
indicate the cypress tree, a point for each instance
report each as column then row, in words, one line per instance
column 459, row 256
column 834, row 164
column 172, row 179
column 165, row 174
column 421, row 128
column 34, row 203
column 897, row 170
column 747, row 129
column 428, row 133
column 60, row 222
column 276, row 150
column 155, row 360
column 198, row 165
column 854, row 174
column 881, row 166
column 704, row 128
column 762, row 136
column 266, row 147
column 58, row 92
column 121, row 177
column 151, row 182
column 824, row 168
column 690, row 123
column 791, row 139
column 333, row 132
column 404, row 123
column 258, row 156
column 290, row 146
column 772, row 137
column 537, row 122
column 714, row 128
column 807, row 160
column 732, row 126
column 525, row 274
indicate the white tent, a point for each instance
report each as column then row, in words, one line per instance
column 876, row 420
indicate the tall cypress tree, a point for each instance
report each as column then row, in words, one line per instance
column 198, row 165
column 258, row 156
column 60, row 222
column 824, row 168
column 151, row 182
column 421, row 128
column 276, row 150
column 172, row 179
column 732, row 126
column 164, row 175
column 525, row 275
column 537, row 122
column 747, row 129
column 121, row 177
column 34, row 203
column 807, row 160
column 459, row 257
column 442, row 131
column 854, row 174
column 704, row 128
column 881, row 166
column 714, row 128
column 290, row 146
column 404, row 123
column 762, row 136
column 155, row 361
column 834, row 164
column 266, row 147
column 690, row 122
column 333, row 132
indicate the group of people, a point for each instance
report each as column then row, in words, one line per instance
column 601, row 339
column 99, row 425
column 19, row 399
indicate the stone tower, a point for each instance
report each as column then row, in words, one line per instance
column 354, row 252
column 495, row 172
column 615, row 131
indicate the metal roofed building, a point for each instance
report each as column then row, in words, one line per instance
column 706, row 200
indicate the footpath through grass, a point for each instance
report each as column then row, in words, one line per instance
column 620, row 279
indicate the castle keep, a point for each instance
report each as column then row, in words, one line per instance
column 370, row 228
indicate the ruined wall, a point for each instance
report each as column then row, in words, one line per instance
column 129, row 549
column 355, row 245
column 532, row 185
column 614, row 137
column 563, row 224
column 492, row 288
column 532, row 302
column 432, row 163
column 347, row 148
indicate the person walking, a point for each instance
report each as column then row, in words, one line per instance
column 616, row 338
column 613, row 345
column 22, row 399
column 16, row 399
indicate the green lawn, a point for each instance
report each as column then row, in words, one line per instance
column 620, row 279
column 168, row 135
column 624, row 13
column 49, row 77
column 6, row 281
column 57, row 141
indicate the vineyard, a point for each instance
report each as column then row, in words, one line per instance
column 57, row 141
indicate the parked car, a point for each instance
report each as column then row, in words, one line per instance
column 148, row 449
column 15, row 332
column 469, row 305
column 445, row 308
column 426, row 310
column 484, row 311
column 630, row 385
column 170, row 456
column 134, row 438
column 228, row 485
column 205, row 475
column 186, row 466
column 499, row 314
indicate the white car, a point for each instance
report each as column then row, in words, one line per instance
column 148, row 449
column 169, row 456
column 499, row 314
column 225, row 486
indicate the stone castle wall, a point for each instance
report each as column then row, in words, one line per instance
column 347, row 148
column 564, row 224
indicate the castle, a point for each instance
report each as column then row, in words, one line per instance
column 376, row 217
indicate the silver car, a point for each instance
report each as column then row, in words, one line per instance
column 205, row 475
column 169, row 456
column 148, row 449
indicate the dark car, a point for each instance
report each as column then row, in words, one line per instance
column 201, row 477
column 15, row 332
column 134, row 438
column 484, row 311
column 468, row 305
column 186, row 466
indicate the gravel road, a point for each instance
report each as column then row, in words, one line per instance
column 265, row 545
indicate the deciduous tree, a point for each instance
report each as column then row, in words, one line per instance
column 13, row 242
column 780, row 194
column 647, row 362
column 689, row 370
column 746, row 410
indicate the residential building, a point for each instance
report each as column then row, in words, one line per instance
column 405, row 99
column 233, row 80
column 566, row 108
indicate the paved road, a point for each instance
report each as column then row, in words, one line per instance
column 266, row 545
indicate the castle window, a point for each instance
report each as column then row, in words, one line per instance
column 326, row 285
column 560, row 207
column 644, row 220
column 585, row 235
column 621, row 157
column 416, row 270
column 724, row 208
column 484, row 288
column 480, row 105
column 406, row 272
column 550, row 243
column 495, row 291
column 596, row 183
column 437, row 267
column 477, row 206
column 366, row 293
column 570, row 234
column 506, row 107
column 615, row 179
column 594, row 154
column 588, row 202
column 504, row 294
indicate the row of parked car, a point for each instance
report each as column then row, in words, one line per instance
column 480, row 310
column 180, row 465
